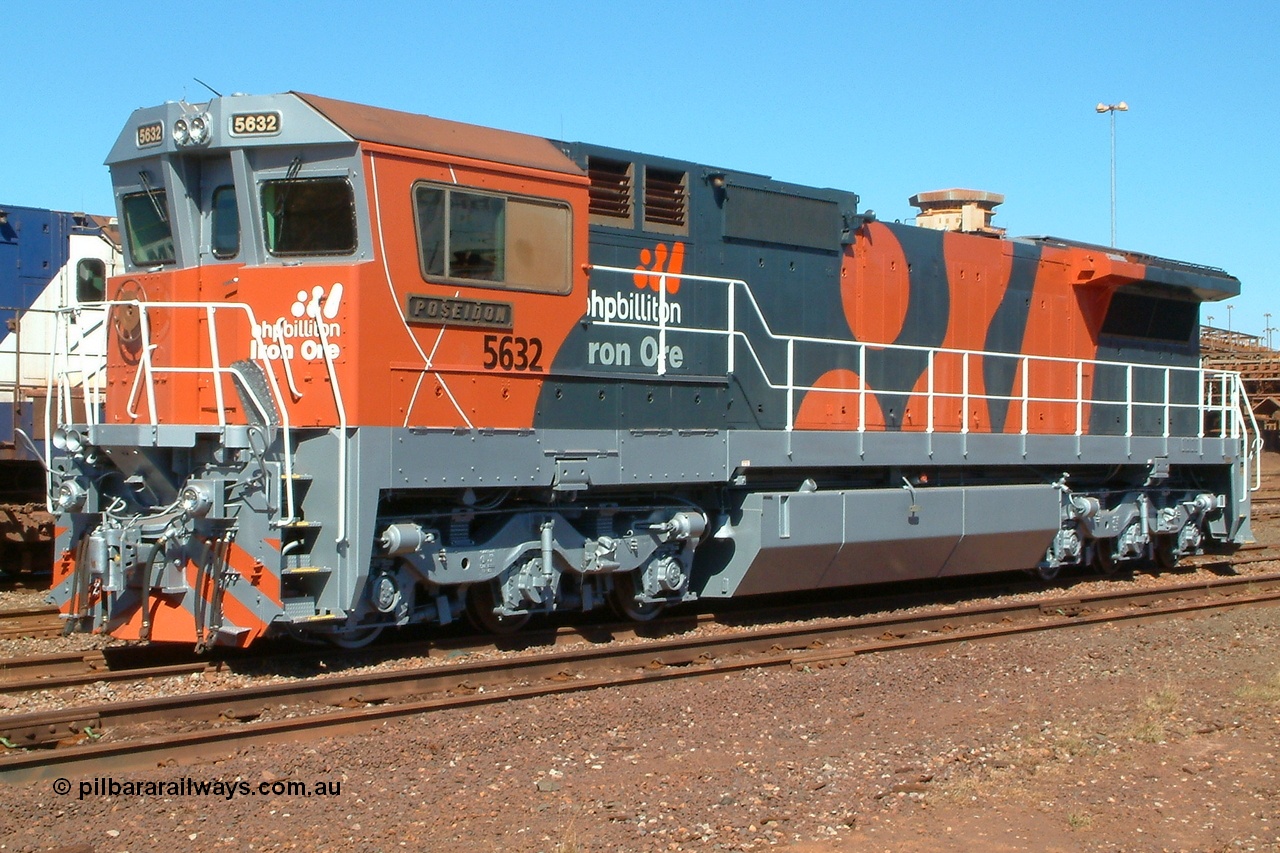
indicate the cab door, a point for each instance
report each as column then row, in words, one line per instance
column 220, row 257
column 221, row 234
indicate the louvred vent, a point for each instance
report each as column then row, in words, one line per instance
column 664, row 197
column 610, row 188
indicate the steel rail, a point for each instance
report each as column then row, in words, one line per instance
column 87, row 672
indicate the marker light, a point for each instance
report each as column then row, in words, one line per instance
column 66, row 438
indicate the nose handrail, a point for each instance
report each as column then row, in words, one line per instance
column 61, row 378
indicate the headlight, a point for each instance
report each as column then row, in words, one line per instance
column 199, row 129
column 71, row 496
column 192, row 130
column 196, row 498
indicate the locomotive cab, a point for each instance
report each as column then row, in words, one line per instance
column 260, row 233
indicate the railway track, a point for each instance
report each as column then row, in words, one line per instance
column 79, row 740
column 1266, row 509
column 30, row 622
column 136, row 663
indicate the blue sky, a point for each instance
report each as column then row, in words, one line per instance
column 885, row 99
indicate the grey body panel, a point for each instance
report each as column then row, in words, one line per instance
column 787, row 541
column 449, row 459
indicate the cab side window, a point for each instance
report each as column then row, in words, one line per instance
column 493, row 240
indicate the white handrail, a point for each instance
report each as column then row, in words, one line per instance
column 1252, row 449
column 342, row 430
column 929, row 419
column 862, row 389
column 211, row 314
column 1024, row 396
column 147, row 370
column 769, row 333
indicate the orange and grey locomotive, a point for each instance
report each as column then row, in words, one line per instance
column 366, row 369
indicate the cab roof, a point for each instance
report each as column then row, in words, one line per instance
column 409, row 130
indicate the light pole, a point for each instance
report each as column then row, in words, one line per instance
column 1268, row 329
column 1112, row 108
column 1230, row 308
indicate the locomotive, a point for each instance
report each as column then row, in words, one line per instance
column 49, row 259
column 366, row 368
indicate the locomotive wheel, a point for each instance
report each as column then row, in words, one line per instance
column 482, row 598
column 1048, row 573
column 1103, row 560
column 623, row 600
column 1165, row 552
column 356, row 639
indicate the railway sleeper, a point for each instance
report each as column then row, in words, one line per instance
column 46, row 734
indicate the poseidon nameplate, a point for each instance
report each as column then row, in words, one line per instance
column 442, row 311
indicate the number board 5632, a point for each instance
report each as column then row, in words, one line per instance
column 150, row 134
column 255, row 124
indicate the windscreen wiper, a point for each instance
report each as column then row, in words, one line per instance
column 145, row 177
column 282, row 202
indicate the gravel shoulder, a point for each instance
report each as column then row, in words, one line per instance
column 1144, row 736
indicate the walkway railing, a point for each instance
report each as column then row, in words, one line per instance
column 1218, row 395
